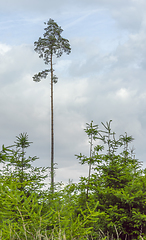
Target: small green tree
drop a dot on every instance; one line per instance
(92, 132)
(119, 184)
(19, 169)
(52, 44)
(21, 144)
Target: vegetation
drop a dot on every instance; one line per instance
(108, 204)
(52, 44)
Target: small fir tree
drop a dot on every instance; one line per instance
(18, 168)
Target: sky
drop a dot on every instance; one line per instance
(102, 79)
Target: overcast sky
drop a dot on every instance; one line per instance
(103, 78)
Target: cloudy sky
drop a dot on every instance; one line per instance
(103, 78)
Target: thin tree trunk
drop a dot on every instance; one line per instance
(89, 167)
(22, 170)
(89, 178)
(52, 131)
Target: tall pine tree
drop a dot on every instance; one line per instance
(51, 44)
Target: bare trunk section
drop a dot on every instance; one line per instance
(89, 167)
(52, 131)
(22, 170)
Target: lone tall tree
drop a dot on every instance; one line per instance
(52, 43)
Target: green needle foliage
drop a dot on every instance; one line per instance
(119, 184)
(114, 209)
(18, 169)
(92, 131)
(27, 211)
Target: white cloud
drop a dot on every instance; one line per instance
(122, 93)
(102, 79)
(4, 49)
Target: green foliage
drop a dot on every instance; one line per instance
(92, 131)
(114, 209)
(33, 217)
(18, 169)
(119, 184)
(52, 43)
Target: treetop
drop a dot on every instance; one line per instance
(52, 42)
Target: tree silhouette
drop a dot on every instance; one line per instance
(52, 43)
